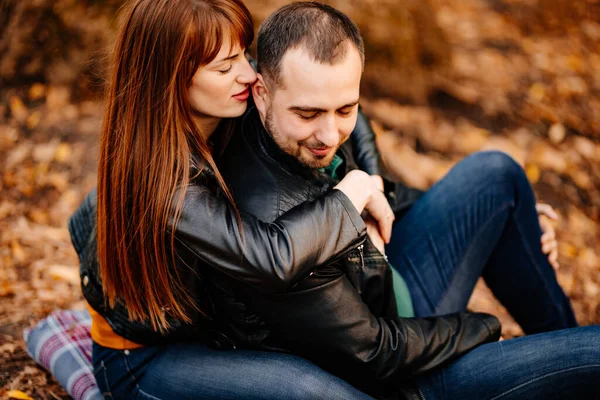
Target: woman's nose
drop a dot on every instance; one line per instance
(247, 75)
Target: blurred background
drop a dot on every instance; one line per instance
(443, 79)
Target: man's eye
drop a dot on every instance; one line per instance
(345, 112)
(223, 72)
(307, 117)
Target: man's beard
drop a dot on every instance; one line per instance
(294, 149)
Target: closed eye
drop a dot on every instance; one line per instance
(307, 117)
(344, 112)
(223, 72)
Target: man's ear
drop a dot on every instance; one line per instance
(261, 94)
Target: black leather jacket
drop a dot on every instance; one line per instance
(273, 256)
(343, 315)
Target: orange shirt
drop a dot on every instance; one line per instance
(103, 334)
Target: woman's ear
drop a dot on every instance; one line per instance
(260, 94)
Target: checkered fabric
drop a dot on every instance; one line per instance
(62, 344)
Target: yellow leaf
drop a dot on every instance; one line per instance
(37, 91)
(18, 109)
(17, 394)
(17, 251)
(33, 120)
(537, 91)
(63, 152)
(65, 273)
(533, 173)
(574, 63)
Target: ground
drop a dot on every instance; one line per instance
(521, 79)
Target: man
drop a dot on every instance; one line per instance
(479, 220)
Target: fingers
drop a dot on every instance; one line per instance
(549, 242)
(553, 258)
(548, 236)
(380, 210)
(547, 210)
(549, 246)
(374, 235)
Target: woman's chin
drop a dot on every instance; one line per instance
(234, 112)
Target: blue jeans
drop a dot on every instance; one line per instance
(194, 371)
(480, 220)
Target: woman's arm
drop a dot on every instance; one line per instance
(274, 256)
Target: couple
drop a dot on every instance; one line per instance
(224, 255)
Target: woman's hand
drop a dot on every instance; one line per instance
(374, 235)
(549, 242)
(365, 194)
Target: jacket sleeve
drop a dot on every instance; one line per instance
(270, 256)
(365, 150)
(332, 326)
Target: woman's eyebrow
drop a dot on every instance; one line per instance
(229, 58)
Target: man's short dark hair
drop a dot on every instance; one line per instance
(320, 29)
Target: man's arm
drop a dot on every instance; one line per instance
(368, 159)
(364, 148)
(331, 325)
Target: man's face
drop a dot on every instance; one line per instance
(315, 110)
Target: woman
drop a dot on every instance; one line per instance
(164, 214)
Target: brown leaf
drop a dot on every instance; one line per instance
(18, 109)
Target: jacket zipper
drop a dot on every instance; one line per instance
(421, 395)
(345, 253)
(362, 258)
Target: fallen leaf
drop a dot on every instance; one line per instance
(37, 91)
(44, 152)
(33, 120)
(65, 272)
(18, 109)
(537, 91)
(17, 251)
(17, 394)
(63, 152)
(557, 133)
(533, 173)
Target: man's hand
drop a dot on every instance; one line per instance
(378, 182)
(374, 235)
(549, 242)
(365, 194)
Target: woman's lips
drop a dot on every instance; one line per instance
(320, 152)
(242, 96)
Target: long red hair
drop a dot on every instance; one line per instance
(148, 138)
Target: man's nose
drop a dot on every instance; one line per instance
(328, 133)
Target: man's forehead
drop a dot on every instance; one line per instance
(307, 82)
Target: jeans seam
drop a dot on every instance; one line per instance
(466, 252)
(102, 368)
(135, 381)
(543, 377)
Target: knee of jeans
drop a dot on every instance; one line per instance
(497, 166)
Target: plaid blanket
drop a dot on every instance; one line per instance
(62, 344)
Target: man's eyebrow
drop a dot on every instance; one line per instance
(316, 109)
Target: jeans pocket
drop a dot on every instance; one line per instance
(102, 381)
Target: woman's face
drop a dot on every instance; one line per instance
(220, 88)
